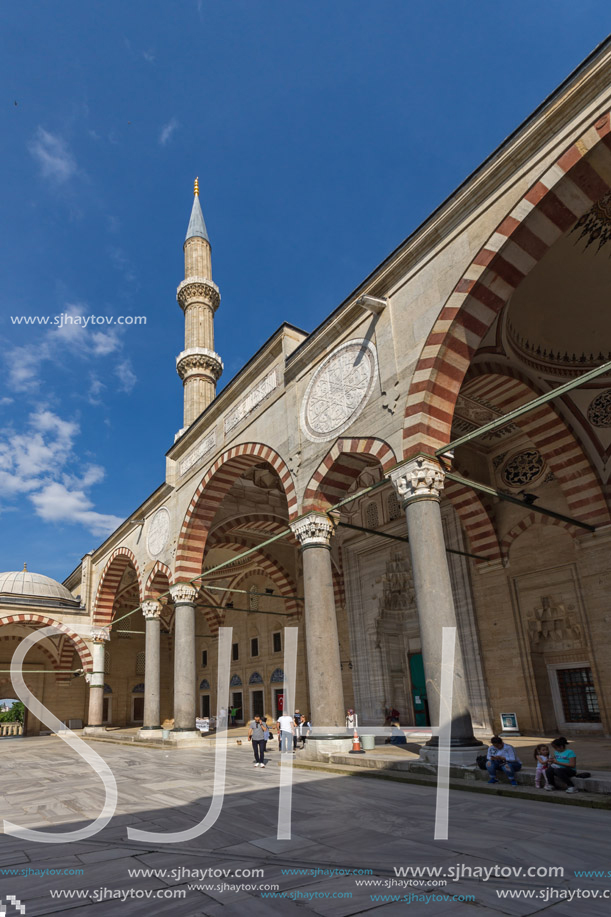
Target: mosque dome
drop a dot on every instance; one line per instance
(25, 585)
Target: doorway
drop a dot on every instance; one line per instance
(236, 701)
(421, 708)
(256, 703)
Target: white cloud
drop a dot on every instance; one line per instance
(73, 338)
(149, 55)
(167, 130)
(53, 156)
(56, 503)
(36, 462)
(126, 375)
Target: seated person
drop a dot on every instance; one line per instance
(397, 736)
(502, 757)
(563, 765)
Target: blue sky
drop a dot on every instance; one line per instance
(322, 134)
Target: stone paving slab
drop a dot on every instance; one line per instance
(339, 822)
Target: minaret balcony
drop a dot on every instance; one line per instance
(198, 289)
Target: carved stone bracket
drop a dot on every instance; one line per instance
(198, 288)
(99, 635)
(313, 529)
(183, 594)
(420, 478)
(151, 610)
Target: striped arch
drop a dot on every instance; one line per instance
(265, 564)
(206, 500)
(52, 659)
(476, 521)
(33, 620)
(525, 523)
(549, 432)
(66, 655)
(257, 523)
(566, 191)
(109, 583)
(340, 468)
(160, 578)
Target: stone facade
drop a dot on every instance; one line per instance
(348, 429)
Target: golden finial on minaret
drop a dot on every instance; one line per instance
(196, 188)
(25, 568)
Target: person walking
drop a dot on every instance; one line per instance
(256, 735)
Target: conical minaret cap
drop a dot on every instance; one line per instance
(197, 227)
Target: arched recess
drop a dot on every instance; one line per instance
(106, 595)
(567, 190)
(158, 582)
(206, 500)
(525, 523)
(265, 564)
(507, 389)
(475, 520)
(340, 468)
(43, 649)
(35, 620)
(257, 523)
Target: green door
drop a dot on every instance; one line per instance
(416, 671)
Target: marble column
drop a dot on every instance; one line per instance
(322, 644)
(99, 638)
(151, 611)
(419, 483)
(184, 596)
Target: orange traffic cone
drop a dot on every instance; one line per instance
(356, 745)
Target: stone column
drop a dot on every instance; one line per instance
(419, 483)
(99, 638)
(322, 644)
(184, 596)
(151, 722)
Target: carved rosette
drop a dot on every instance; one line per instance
(99, 635)
(183, 594)
(197, 361)
(314, 529)
(198, 289)
(151, 610)
(418, 479)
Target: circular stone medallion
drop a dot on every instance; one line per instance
(158, 532)
(339, 390)
(599, 412)
(523, 468)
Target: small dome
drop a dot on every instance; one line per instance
(34, 586)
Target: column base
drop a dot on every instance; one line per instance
(319, 748)
(150, 732)
(464, 755)
(185, 735)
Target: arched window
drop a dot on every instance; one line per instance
(107, 689)
(255, 679)
(236, 681)
(394, 507)
(277, 676)
(204, 685)
(372, 519)
(138, 689)
(140, 663)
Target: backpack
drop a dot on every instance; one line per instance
(481, 761)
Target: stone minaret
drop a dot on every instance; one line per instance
(198, 365)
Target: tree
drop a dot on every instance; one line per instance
(15, 715)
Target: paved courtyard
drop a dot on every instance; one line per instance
(345, 831)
